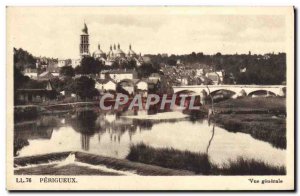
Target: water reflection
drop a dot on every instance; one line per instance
(111, 134)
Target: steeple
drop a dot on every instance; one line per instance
(84, 42)
(129, 46)
(118, 46)
(98, 46)
(114, 46)
(85, 29)
(110, 47)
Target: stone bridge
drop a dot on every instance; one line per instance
(246, 90)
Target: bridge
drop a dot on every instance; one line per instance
(246, 90)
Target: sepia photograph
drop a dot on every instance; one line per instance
(150, 98)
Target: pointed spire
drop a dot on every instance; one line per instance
(118, 46)
(85, 29)
(129, 46)
(98, 46)
(110, 47)
(114, 46)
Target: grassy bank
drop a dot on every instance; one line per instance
(262, 118)
(260, 126)
(250, 105)
(250, 167)
(199, 162)
(170, 158)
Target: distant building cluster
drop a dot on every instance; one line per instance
(181, 75)
(115, 53)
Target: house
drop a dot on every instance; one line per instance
(127, 85)
(155, 77)
(118, 75)
(243, 70)
(62, 62)
(221, 75)
(47, 75)
(153, 85)
(105, 85)
(214, 77)
(75, 62)
(36, 95)
(31, 73)
(142, 87)
(200, 72)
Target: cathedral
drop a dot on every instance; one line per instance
(114, 55)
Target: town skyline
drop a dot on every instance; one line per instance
(57, 35)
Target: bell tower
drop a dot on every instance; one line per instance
(84, 42)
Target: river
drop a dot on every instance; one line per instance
(111, 134)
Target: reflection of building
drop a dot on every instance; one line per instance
(85, 142)
(41, 128)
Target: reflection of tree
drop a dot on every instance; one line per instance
(85, 123)
(19, 143)
(143, 124)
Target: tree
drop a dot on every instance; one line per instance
(89, 65)
(19, 78)
(67, 71)
(23, 59)
(84, 87)
(146, 70)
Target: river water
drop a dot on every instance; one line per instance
(111, 134)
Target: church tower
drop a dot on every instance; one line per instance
(84, 42)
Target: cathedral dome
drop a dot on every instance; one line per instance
(119, 52)
(110, 53)
(98, 52)
(131, 53)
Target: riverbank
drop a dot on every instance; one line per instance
(199, 163)
(262, 118)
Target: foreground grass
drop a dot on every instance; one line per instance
(170, 158)
(199, 162)
(250, 167)
(262, 118)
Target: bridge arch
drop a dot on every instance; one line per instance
(186, 91)
(262, 92)
(225, 90)
(240, 90)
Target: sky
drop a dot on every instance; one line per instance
(54, 32)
